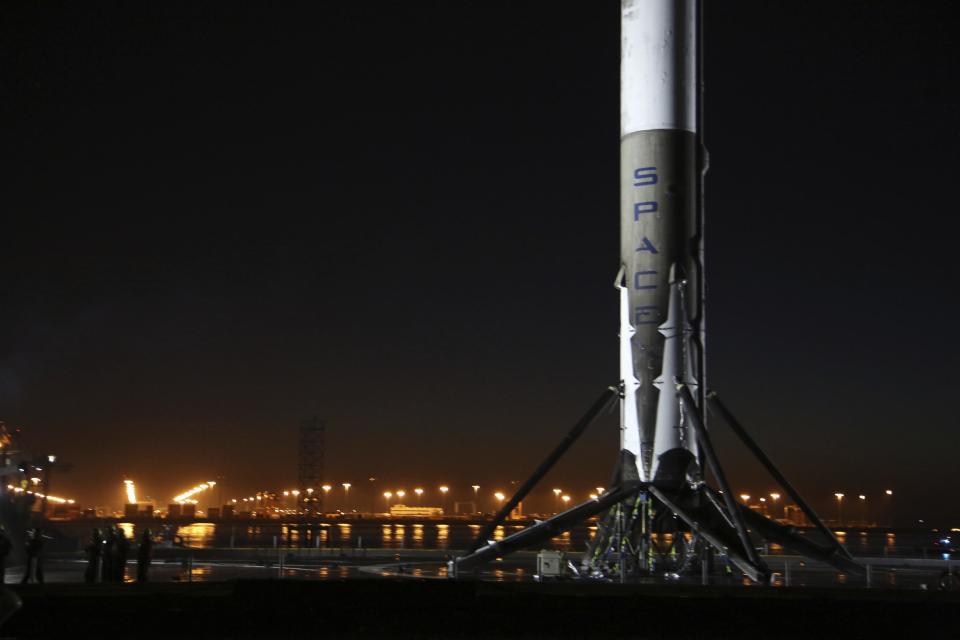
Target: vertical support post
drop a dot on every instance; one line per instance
(786, 573)
(645, 518)
(869, 576)
(310, 468)
(704, 566)
(621, 556)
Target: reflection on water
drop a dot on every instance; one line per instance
(400, 534)
(198, 535)
(562, 541)
(128, 528)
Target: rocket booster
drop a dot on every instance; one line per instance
(660, 241)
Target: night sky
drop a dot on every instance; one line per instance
(403, 218)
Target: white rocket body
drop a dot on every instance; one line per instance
(660, 283)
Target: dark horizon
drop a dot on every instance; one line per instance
(402, 218)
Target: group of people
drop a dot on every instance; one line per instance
(33, 571)
(107, 555)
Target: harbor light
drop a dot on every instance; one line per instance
(131, 492)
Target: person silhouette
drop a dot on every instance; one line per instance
(6, 546)
(143, 555)
(107, 556)
(34, 548)
(94, 551)
(122, 550)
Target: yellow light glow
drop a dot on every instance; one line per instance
(565, 499)
(557, 492)
(499, 496)
(745, 497)
(444, 489)
(775, 496)
(131, 492)
(56, 499)
(203, 486)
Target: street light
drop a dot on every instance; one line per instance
(775, 497)
(419, 493)
(326, 495)
(556, 500)
(443, 491)
(400, 494)
(839, 497)
(745, 497)
(499, 496)
(863, 509)
(476, 505)
(566, 500)
(388, 495)
(346, 495)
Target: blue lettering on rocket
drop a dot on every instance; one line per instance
(645, 315)
(644, 176)
(643, 207)
(636, 280)
(647, 246)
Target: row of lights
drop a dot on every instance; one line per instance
(186, 495)
(40, 495)
(388, 495)
(400, 493)
(839, 496)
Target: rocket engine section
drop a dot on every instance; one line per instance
(660, 235)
